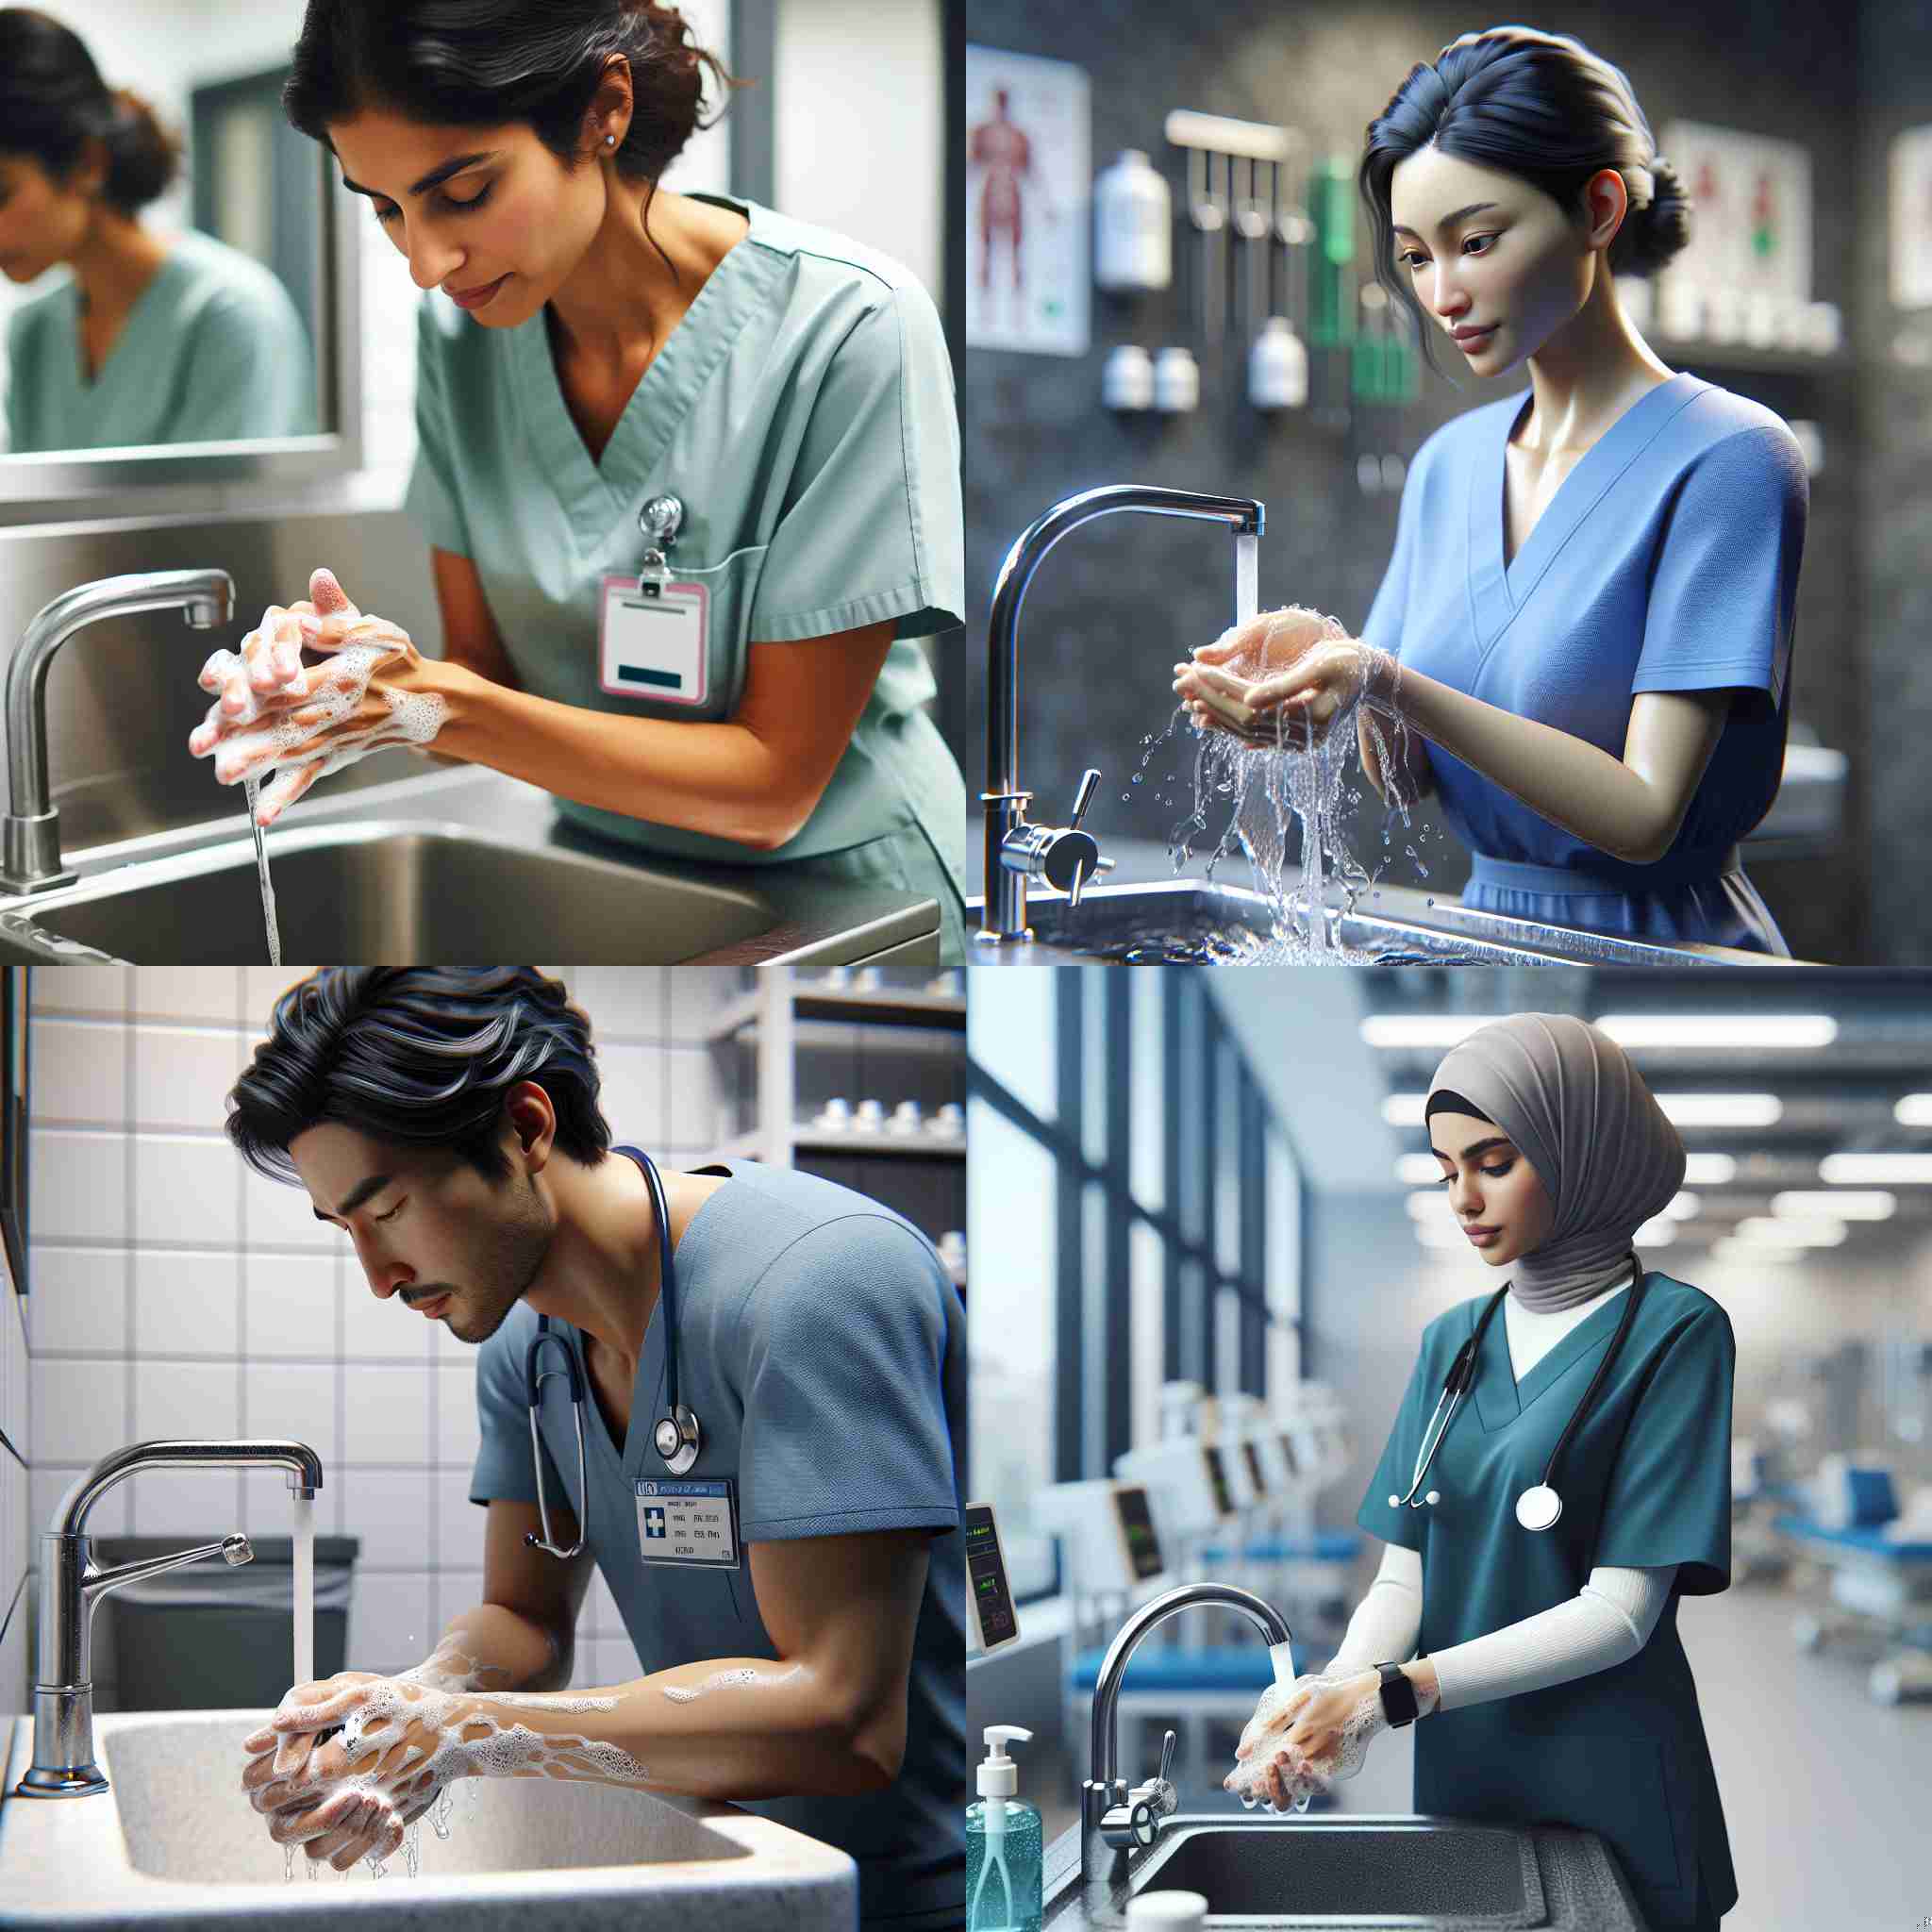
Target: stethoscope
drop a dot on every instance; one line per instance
(675, 1434)
(1538, 1507)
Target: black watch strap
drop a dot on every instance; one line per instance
(1398, 1696)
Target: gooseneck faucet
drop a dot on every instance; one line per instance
(63, 1765)
(1112, 1825)
(30, 834)
(1016, 850)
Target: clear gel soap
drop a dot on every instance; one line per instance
(1002, 1845)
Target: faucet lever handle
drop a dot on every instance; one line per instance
(1089, 781)
(1166, 1757)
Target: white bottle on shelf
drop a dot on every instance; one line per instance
(1133, 225)
(1278, 367)
(1176, 380)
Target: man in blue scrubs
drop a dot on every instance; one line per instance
(447, 1119)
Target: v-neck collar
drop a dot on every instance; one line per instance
(1499, 590)
(1500, 1398)
(601, 490)
(125, 337)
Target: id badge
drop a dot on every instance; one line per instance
(651, 640)
(690, 1521)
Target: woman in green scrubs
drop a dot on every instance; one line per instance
(1554, 1153)
(153, 339)
(784, 392)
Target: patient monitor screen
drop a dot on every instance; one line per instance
(1224, 1502)
(1254, 1475)
(986, 1573)
(1137, 1529)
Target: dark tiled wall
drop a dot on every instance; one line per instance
(1117, 603)
(1894, 520)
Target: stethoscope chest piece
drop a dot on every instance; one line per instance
(675, 1438)
(1539, 1508)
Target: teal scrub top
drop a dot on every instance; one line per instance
(212, 351)
(824, 1351)
(1644, 1481)
(801, 410)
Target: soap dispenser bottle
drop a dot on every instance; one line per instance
(1002, 1845)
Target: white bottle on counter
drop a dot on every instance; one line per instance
(1176, 380)
(1133, 225)
(1278, 367)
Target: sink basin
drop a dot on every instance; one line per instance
(1314, 1872)
(174, 1842)
(1189, 918)
(464, 865)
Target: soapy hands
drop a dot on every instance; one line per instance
(1304, 1737)
(370, 689)
(1280, 680)
(345, 1797)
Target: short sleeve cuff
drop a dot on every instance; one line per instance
(911, 605)
(429, 507)
(938, 1518)
(1718, 674)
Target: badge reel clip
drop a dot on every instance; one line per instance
(652, 639)
(659, 521)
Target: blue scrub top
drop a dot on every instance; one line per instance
(1668, 561)
(212, 351)
(823, 1351)
(1645, 1481)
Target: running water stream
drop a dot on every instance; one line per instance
(253, 787)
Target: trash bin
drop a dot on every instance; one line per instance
(208, 1637)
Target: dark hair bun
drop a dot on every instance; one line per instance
(143, 157)
(1652, 234)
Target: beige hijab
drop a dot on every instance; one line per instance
(1575, 1106)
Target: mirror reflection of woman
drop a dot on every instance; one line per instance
(1592, 601)
(152, 338)
(1541, 1667)
(616, 343)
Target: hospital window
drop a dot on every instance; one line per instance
(1144, 1208)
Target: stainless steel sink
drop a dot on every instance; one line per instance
(459, 866)
(1196, 919)
(1307, 1872)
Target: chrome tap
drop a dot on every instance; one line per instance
(63, 1765)
(1115, 1820)
(1015, 851)
(30, 833)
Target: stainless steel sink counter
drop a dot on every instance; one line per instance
(1134, 921)
(1337, 1870)
(451, 865)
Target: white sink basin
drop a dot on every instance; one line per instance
(176, 1842)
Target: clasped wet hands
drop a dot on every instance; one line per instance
(359, 691)
(341, 1802)
(1281, 679)
(1305, 1736)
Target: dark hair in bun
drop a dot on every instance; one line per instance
(1541, 106)
(53, 102)
(484, 62)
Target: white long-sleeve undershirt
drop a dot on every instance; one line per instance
(1608, 1621)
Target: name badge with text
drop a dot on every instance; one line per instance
(684, 1520)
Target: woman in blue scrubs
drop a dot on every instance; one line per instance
(1548, 1681)
(594, 348)
(1584, 632)
(150, 338)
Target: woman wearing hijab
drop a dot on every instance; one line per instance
(1544, 1661)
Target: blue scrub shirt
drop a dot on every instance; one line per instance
(1645, 1481)
(801, 410)
(823, 1351)
(1667, 561)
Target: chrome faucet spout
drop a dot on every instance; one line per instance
(1016, 850)
(30, 833)
(1105, 1846)
(71, 1583)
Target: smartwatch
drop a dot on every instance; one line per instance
(1398, 1696)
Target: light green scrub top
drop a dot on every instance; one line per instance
(1645, 1481)
(803, 412)
(211, 351)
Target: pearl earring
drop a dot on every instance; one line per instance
(611, 141)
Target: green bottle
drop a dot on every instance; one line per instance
(1002, 1845)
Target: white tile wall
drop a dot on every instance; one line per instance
(175, 1292)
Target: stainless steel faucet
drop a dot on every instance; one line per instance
(1016, 850)
(63, 1765)
(1115, 1820)
(30, 834)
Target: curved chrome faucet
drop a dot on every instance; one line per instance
(1110, 1826)
(30, 834)
(1016, 850)
(63, 1765)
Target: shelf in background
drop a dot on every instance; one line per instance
(877, 1006)
(910, 1146)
